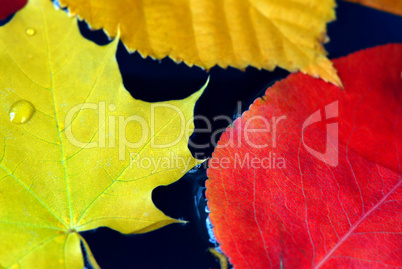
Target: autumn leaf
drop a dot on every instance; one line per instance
(77, 151)
(393, 6)
(238, 33)
(8, 7)
(310, 176)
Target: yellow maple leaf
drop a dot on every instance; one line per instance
(76, 150)
(238, 33)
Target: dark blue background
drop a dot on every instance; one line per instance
(185, 246)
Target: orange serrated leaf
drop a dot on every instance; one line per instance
(237, 33)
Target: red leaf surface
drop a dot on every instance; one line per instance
(8, 7)
(322, 187)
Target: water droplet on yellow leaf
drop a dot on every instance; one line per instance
(30, 31)
(21, 112)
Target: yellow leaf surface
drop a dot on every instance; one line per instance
(238, 33)
(393, 6)
(77, 152)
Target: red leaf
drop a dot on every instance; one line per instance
(8, 7)
(315, 200)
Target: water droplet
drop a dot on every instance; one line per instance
(21, 112)
(30, 31)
